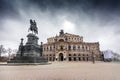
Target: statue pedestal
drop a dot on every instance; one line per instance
(30, 52)
(32, 48)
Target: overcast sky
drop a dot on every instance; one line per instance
(95, 20)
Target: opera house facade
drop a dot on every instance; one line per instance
(70, 47)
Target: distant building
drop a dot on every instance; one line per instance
(70, 47)
(109, 55)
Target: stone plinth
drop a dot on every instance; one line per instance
(31, 52)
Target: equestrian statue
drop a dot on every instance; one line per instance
(33, 27)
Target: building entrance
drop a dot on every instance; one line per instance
(61, 57)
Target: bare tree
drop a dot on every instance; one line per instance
(2, 50)
(15, 51)
(9, 50)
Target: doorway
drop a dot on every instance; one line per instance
(61, 57)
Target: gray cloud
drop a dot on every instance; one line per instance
(95, 20)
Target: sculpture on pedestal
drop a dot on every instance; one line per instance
(33, 26)
(31, 52)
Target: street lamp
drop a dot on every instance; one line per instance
(93, 57)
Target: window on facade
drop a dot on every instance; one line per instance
(74, 59)
(74, 54)
(80, 39)
(83, 55)
(50, 54)
(61, 40)
(69, 54)
(70, 59)
(61, 47)
(83, 59)
(87, 54)
(69, 48)
(74, 47)
(82, 47)
(55, 40)
(79, 55)
(47, 48)
(50, 59)
(87, 59)
(65, 39)
(78, 47)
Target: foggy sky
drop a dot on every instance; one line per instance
(95, 20)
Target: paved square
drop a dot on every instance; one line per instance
(62, 71)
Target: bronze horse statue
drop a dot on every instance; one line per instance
(33, 27)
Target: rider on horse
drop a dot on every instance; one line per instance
(33, 27)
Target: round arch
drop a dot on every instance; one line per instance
(61, 40)
(61, 57)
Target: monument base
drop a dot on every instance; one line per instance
(26, 59)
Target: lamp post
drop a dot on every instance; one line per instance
(93, 57)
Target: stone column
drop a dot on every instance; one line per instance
(77, 59)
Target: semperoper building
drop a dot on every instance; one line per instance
(70, 47)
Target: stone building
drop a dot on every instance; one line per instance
(70, 47)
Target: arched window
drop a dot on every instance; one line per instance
(61, 47)
(69, 54)
(74, 47)
(78, 47)
(61, 40)
(74, 54)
